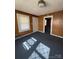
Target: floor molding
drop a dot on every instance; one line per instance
(54, 35)
(57, 36)
(23, 35)
(33, 32)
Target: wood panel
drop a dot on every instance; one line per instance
(40, 23)
(17, 33)
(57, 25)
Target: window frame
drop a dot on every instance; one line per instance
(19, 22)
(17, 28)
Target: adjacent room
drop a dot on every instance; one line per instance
(38, 29)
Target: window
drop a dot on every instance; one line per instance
(23, 22)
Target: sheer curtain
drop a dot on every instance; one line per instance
(23, 22)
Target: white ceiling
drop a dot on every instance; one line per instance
(31, 6)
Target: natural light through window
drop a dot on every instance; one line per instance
(28, 43)
(40, 50)
(23, 22)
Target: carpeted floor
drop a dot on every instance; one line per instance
(44, 46)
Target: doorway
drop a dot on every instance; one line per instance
(47, 24)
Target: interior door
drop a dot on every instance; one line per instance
(35, 24)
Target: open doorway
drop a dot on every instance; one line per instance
(47, 24)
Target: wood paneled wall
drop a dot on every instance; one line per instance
(17, 33)
(57, 25)
(40, 23)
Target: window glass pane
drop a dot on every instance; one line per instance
(23, 22)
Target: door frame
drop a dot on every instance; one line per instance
(51, 16)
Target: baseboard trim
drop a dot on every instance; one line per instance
(57, 35)
(38, 31)
(54, 35)
(23, 35)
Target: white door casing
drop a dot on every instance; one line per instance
(51, 23)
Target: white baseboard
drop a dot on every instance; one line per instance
(23, 35)
(53, 34)
(38, 31)
(57, 36)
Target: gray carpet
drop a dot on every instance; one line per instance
(39, 46)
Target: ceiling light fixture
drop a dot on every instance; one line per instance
(41, 3)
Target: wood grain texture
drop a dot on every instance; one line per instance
(57, 25)
(40, 23)
(17, 33)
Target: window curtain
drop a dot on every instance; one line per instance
(23, 22)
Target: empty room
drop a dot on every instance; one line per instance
(38, 29)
